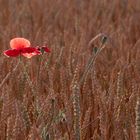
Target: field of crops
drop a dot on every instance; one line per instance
(87, 87)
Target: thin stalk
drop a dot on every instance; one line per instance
(39, 67)
(8, 74)
(76, 87)
(91, 63)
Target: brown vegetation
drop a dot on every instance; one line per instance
(43, 98)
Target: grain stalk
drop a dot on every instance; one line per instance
(76, 106)
(94, 56)
(9, 74)
(76, 86)
(120, 85)
(138, 120)
(9, 130)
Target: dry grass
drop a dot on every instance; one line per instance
(43, 98)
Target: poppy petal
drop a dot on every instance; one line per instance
(18, 43)
(30, 50)
(12, 53)
(46, 49)
(29, 55)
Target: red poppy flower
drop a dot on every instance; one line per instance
(21, 46)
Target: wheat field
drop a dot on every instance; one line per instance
(87, 87)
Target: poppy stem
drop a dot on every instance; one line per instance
(39, 67)
(8, 75)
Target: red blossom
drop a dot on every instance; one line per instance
(21, 46)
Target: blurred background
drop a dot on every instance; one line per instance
(36, 99)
